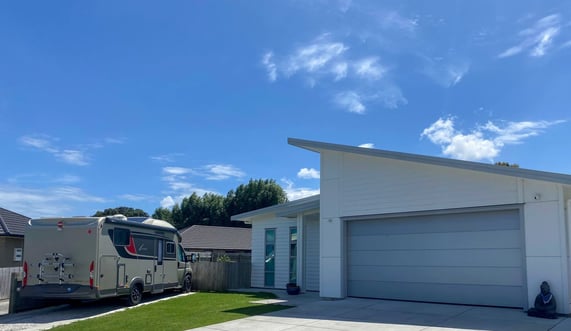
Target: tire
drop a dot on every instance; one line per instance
(187, 284)
(135, 295)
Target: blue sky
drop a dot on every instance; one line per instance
(138, 103)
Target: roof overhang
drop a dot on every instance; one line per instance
(289, 209)
(316, 146)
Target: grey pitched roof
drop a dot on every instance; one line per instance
(216, 237)
(12, 224)
(288, 209)
(317, 146)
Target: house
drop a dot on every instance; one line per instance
(411, 227)
(12, 226)
(211, 242)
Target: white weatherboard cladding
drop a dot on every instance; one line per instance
(282, 226)
(372, 185)
(311, 255)
(467, 258)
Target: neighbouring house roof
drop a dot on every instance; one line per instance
(12, 224)
(288, 209)
(318, 147)
(216, 237)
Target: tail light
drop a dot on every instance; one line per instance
(91, 270)
(25, 278)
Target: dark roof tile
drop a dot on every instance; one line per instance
(216, 237)
(12, 224)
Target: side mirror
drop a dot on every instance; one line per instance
(193, 258)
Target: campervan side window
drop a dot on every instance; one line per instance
(170, 251)
(121, 237)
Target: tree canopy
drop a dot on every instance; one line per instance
(127, 211)
(214, 209)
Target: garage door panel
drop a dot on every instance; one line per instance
(506, 296)
(487, 221)
(501, 276)
(469, 258)
(464, 240)
(442, 258)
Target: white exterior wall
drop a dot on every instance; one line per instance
(354, 185)
(546, 241)
(282, 226)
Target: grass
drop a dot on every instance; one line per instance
(182, 313)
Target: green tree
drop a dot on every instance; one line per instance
(126, 211)
(258, 193)
(507, 164)
(215, 209)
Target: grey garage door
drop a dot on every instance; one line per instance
(467, 258)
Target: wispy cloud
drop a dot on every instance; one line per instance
(223, 171)
(75, 156)
(445, 72)
(166, 158)
(369, 68)
(537, 39)
(367, 145)
(351, 101)
(135, 197)
(308, 173)
(325, 59)
(270, 66)
(484, 142)
(295, 193)
(44, 202)
(394, 20)
(316, 56)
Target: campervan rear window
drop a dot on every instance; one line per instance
(121, 237)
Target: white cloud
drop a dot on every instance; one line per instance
(72, 157)
(75, 156)
(351, 101)
(484, 142)
(326, 58)
(295, 193)
(167, 202)
(369, 68)
(177, 171)
(315, 56)
(566, 44)
(223, 171)
(271, 68)
(45, 202)
(340, 70)
(308, 173)
(536, 39)
(367, 145)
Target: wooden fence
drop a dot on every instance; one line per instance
(220, 276)
(5, 279)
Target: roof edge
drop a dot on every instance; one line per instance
(316, 146)
(298, 205)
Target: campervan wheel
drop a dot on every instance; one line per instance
(186, 286)
(135, 295)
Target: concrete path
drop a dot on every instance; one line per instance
(314, 314)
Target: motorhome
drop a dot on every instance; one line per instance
(86, 258)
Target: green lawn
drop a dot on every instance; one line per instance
(182, 313)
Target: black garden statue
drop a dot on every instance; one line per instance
(544, 306)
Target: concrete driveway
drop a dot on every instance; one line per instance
(312, 313)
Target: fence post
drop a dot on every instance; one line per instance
(14, 293)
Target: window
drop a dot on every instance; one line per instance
(270, 258)
(121, 237)
(293, 254)
(170, 251)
